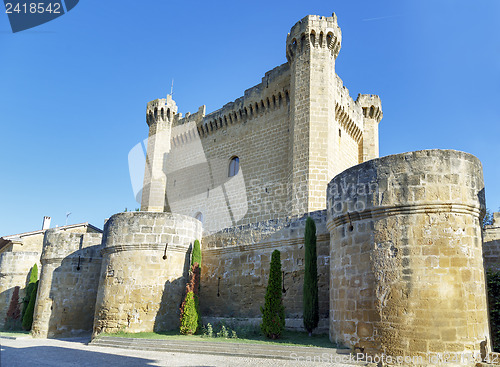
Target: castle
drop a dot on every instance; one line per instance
(399, 238)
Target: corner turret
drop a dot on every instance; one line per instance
(314, 31)
(159, 116)
(161, 110)
(372, 114)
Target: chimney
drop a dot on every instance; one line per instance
(46, 223)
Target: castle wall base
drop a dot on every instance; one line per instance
(295, 324)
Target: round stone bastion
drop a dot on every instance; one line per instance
(407, 277)
(146, 258)
(65, 302)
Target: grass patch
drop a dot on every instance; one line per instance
(15, 334)
(293, 338)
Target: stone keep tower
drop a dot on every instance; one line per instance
(160, 113)
(291, 134)
(312, 45)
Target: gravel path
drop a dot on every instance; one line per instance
(74, 352)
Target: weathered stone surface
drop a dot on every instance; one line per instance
(18, 253)
(236, 262)
(407, 274)
(71, 263)
(139, 290)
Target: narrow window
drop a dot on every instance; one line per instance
(234, 166)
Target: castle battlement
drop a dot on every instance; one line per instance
(259, 100)
(314, 31)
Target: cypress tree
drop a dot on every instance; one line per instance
(273, 312)
(196, 254)
(30, 310)
(310, 294)
(34, 274)
(29, 289)
(190, 308)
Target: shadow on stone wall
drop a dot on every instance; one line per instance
(236, 263)
(5, 298)
(168, 316)
(69, 308)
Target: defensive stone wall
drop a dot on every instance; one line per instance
(146, 258)
(491, 244)
(236, 263)
(407, 274)
(14, 271)
(71, 264)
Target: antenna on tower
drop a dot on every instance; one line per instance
(172, 88)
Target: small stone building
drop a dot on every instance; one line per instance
(18, 254)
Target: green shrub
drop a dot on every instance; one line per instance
(30, 310)
(13, 320)
(208, 331)
(310, 291)
(190, 308)
(190, 319)
(273, 312)
(29, 289)
(34, 274)
(223, 333)
(196, 254)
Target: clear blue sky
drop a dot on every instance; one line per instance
(73, 91)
